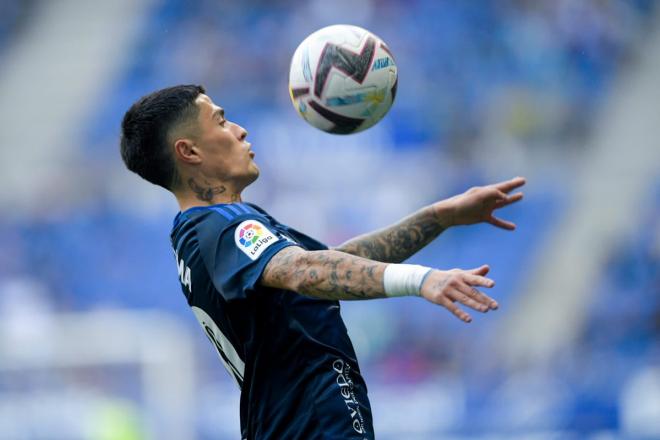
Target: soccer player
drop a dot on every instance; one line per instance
(265, 294)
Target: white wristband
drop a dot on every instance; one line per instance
(404, 279)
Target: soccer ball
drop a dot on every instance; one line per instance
(343, 79)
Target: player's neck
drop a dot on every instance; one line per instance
(191, 201)
(203, 193)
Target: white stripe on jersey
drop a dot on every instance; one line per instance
(228, 354)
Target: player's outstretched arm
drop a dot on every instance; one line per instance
(403, 239)
(398, 242)
(339, 276)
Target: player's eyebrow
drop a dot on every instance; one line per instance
(219, 113)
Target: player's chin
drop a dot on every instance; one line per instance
(254, 172)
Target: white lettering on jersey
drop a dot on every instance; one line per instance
(228, 354)
(184, 272)
(345, 384)
(252, 237)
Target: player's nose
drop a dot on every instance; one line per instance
(242, 133)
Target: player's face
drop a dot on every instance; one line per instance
(226, 154)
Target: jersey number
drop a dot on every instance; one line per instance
(228, 354)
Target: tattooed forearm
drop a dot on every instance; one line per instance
(205, 193)
(400, 241)
(325, 274)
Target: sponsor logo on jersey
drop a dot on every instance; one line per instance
(253, 238)
(345, 384)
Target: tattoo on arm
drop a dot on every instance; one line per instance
(205, 193)
(325, 274)
(397, 242)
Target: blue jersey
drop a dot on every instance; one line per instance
(290, 354)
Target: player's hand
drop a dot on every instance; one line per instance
(447, 288)
(478, 204)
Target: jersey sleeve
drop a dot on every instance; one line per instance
(236, 252)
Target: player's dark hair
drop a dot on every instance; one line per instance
(145, 127)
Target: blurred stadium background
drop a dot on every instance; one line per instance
(96, 341)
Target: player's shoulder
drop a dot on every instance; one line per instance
(215, 218)
(224, 228)
(257, 208)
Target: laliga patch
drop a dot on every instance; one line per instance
(253, 238)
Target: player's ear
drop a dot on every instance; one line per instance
(186, 151)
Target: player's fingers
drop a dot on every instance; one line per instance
(513, 198)
(508, 200)
(501, 196)
(479, 297)
(481, 270)
(470, 297)
(453, 308)
(510, 185)
(504, 224)
(477, 280)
